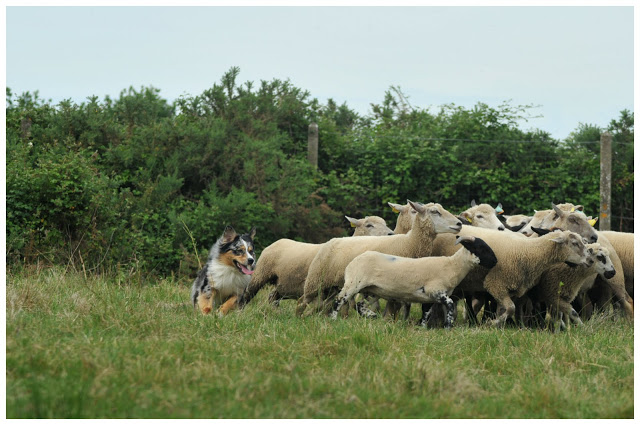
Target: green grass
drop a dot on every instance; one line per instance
(89, 347)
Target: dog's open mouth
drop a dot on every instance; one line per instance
(243, 269)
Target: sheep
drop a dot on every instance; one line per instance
(623, 244)
(540, 218)
(576, 221)
(481, 215)
(369, 226)
(419, 280)
(327, 268)
(521, 262)
(560, 284)
(599, 292)
(285, 262)
(515, 223)
(406, 217)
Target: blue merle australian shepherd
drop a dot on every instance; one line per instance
(227, 272)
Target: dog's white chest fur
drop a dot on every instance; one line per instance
(225, 280)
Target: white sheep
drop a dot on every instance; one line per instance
(578, 222)
(516, 222)
(623, 244)
(414, 280)
(521, 262)
(560, 285)
(406, 217)
(326, 271)
(601, 290)
(544, 219)
(371, 225)
(481, 215)
(285, 262)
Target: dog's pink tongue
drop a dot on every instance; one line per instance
(245, 270)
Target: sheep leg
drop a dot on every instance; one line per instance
(392, 309)
(274, 298)
(507, 305)
(406, 307)
(345, 296)
(450, 306)
(568, 313)
(301, 306)
(364, 311)
(426, 313)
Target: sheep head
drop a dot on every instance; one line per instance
(482, 215)
(604, 265)
(369, 226)
(575, 221)
(443, 221)
(480, 249)
(406, 217)
(575, 248)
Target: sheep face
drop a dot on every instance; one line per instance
(480, 249)
(604, 265)
(535, 221)
(575, 248)
(370, 226)
(443, 221)
(483, 215)
(574, 221)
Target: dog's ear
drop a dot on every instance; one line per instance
(252, 232)
(229, 234)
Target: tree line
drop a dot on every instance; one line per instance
(141, 185)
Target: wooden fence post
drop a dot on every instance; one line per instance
(605, 182)
(312, 153)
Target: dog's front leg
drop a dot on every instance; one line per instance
(228, 305)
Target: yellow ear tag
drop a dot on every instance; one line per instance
(573, 209)
(593, 222)
(352, 225)
(395, 210)
(469, 220)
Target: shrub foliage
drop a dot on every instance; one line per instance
(143, 185)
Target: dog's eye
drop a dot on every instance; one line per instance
(238, 251)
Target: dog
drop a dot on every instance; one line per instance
(226, 274)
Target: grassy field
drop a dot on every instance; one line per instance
(81, 347)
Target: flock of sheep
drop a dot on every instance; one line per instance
(520, 268)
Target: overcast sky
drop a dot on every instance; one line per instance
(575, 62)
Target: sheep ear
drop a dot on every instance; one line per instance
(416, 206)
(557, 210)
(396, 208)
(354, 221)
(561, 238)
(473, 202)
(499, 209)
(579, 208)
(229, 234)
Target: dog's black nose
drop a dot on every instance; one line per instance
(250, 261)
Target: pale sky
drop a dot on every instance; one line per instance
(577, 63)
